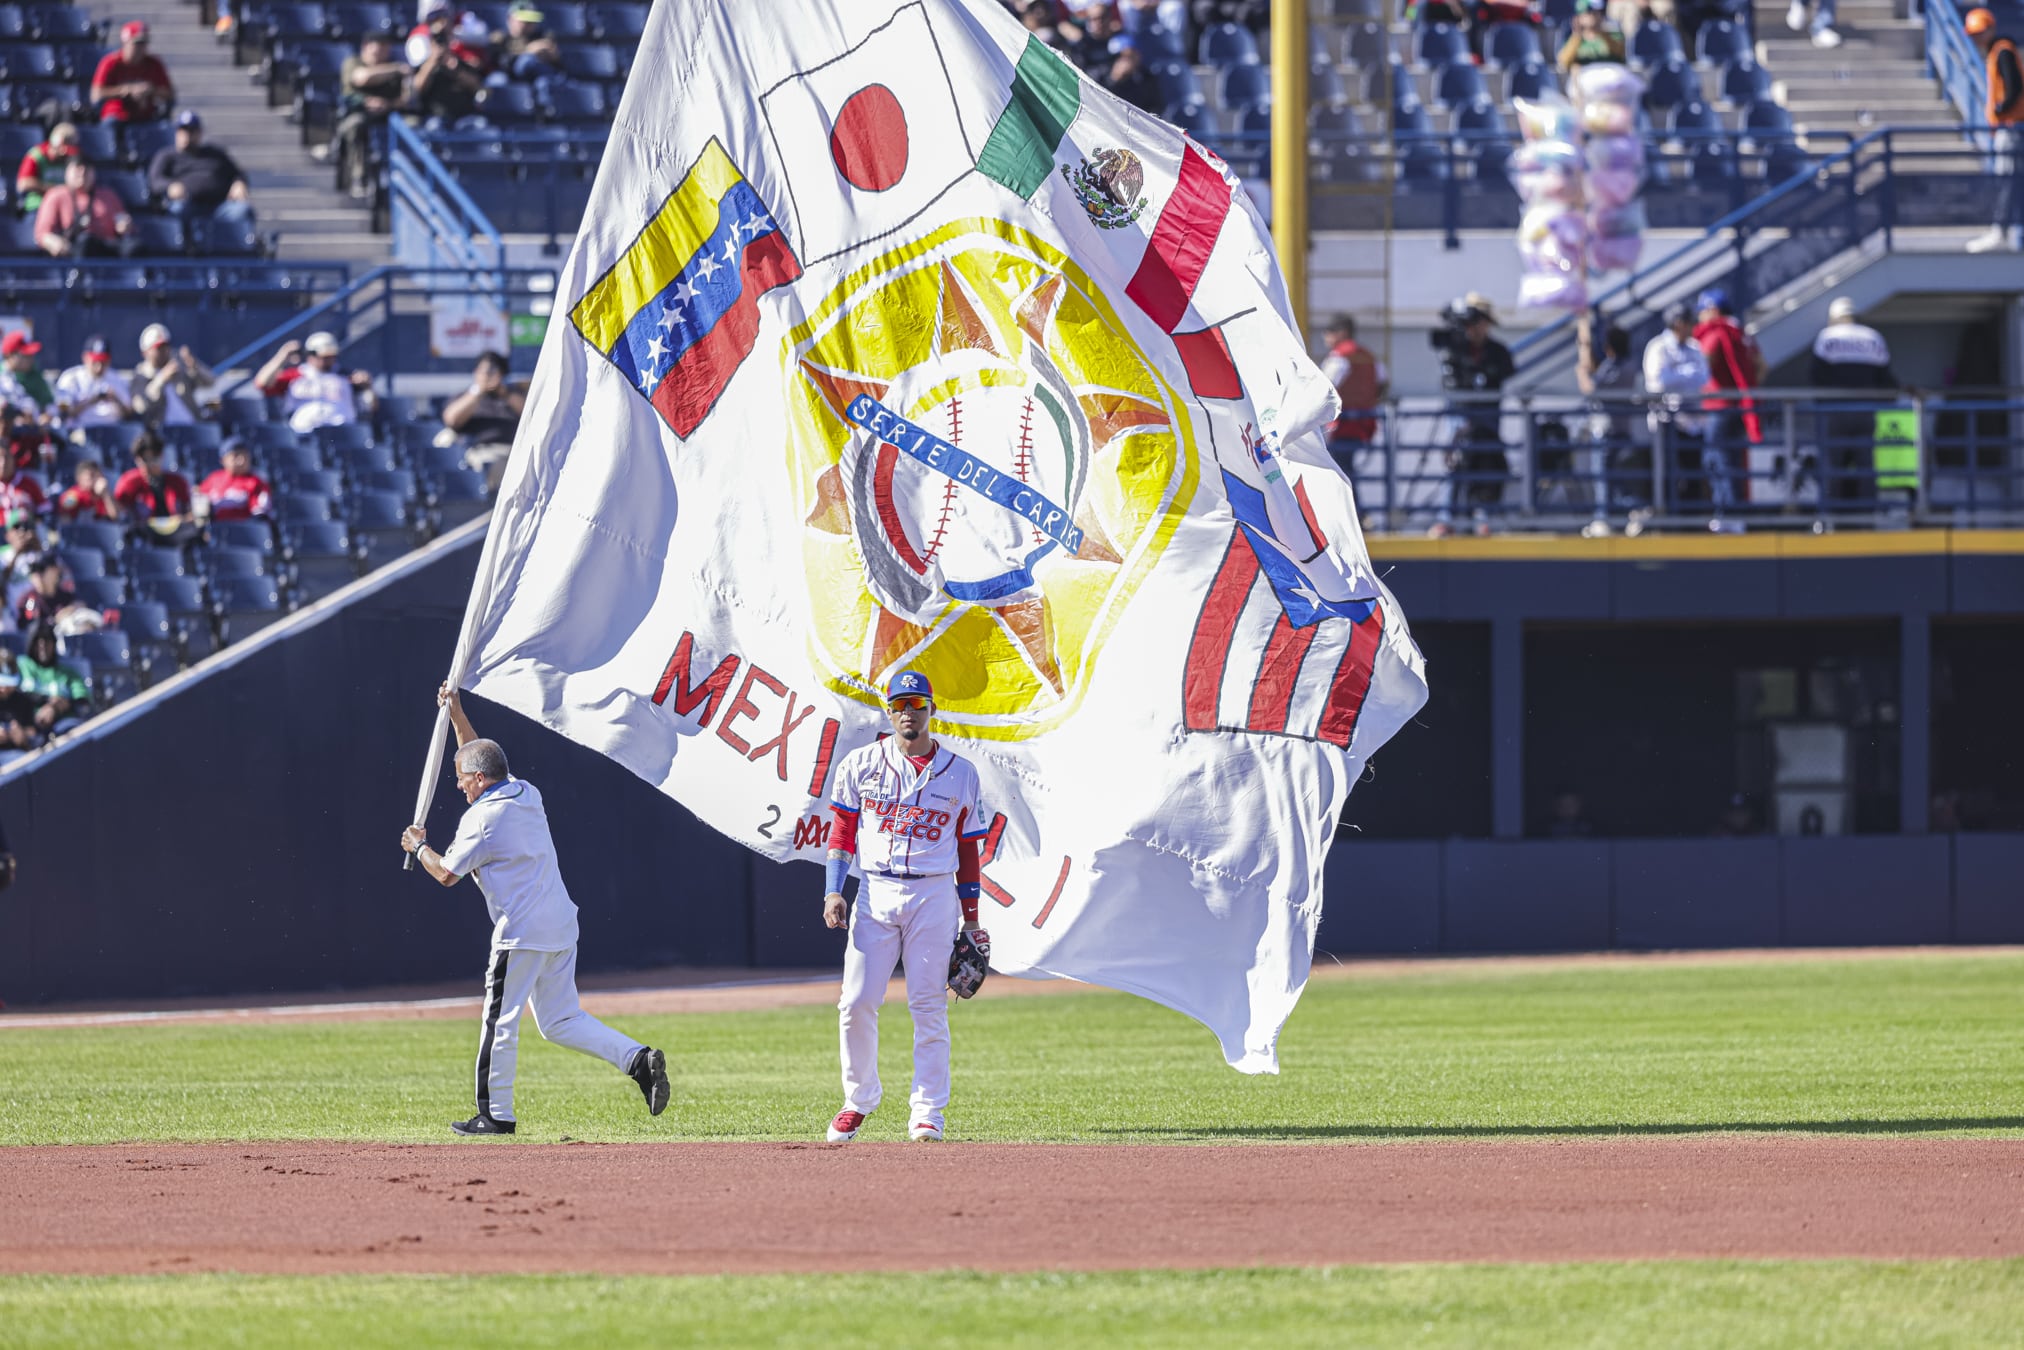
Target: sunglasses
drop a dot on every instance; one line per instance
(909, 703)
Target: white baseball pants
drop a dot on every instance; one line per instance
(894, 918)
(544, 983)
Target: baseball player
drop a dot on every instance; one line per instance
(503, 842)
(907, 808)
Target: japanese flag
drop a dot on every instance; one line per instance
(868, 140)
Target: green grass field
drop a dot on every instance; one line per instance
(1918, 1044)
(1906, 1045)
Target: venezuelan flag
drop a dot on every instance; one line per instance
(679, 312)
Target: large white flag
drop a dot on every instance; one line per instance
(892, 343)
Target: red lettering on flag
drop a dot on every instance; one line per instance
(743, 706)
(708, 693)
(778, 745)
(1059, 881)
(825, 750)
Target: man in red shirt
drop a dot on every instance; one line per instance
(234, 490)
(89, 497)
(19, 488)
(153, 496)
(81, 218)
(1734, 365)
(130, 85)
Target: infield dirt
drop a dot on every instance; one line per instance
(759, 1208)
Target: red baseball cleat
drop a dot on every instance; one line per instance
(845, 1127)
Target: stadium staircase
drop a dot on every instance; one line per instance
(293, 193)
(1877, 77)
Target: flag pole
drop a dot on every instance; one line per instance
(1289, 150)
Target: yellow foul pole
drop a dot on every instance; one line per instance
(1289, 148)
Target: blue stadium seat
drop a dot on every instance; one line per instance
(231, 560)
(198, 440)
(149, 564)
(62, 23)
(1785, 159)
(575, 103)
(37, 100)
(618, 23)
(1227, 44)
(1721, 41)
(1163, 44)
(151, 634)
(1409, 118)
(1669, 85)
(99, 143)
(297, 20)
(1529, 81)
(327, 482)
(1440, 44)
(1421, 160)
(211, 238)
(29, 61)
(1653, 43)
(1694, 118)
(1459, 85)
(129, 185)
(1177, 83)
(281, 449)
(1493, 163)
(492, 13)
(296, 507)
(1744, 82)
(14, 24)
(322, 556)
(460, 495)
(102, 535)
(253, 534)
(353, 21)
(1714, 163)
(401, 482)
(1325, 86)
(1510, 44)
(1195, 119)
(566, 23)
(1554, 13)
(507, 104)
(15, 141)
(590, 61)
(246, 604)
(380, 521)
(189, 612)
(110, 655)
(1367, 46)
(1247, 87)
(1478, 117)
(142, 141)
(78, 61)
(83, 562)
(159, 236)
(106, 592)
(1765, 119)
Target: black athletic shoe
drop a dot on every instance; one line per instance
(649, 1068)
(482, 1124)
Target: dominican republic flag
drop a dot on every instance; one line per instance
(679, 311)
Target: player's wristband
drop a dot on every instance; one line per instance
(835, 868)
(968, 890)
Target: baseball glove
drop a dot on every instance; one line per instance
(969, 963)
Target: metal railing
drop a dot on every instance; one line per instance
(1782, 458)
(1884, 182)
(1953, 61)
(434, 221)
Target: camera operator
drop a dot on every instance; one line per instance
(1473, 362)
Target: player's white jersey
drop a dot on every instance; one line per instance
(908, 819)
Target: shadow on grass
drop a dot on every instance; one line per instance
(1924, 1125)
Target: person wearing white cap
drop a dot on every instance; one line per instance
(91, 393)
(1849, 356)
(304, 375)
(167, 381)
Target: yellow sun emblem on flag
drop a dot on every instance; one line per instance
(987, 465)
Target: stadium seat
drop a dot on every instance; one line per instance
(1714, 163)
(1367, 47)
(1177, 83)
(360, 460)
(110, 655)
(401, 482)
(460, 495)
(1554, 13)
(102, 535)
(158, 236)
(592, 61)
(1163, 44)
(151, 635)
(78, 61)
(84, 563)
(1529, 81)
(198, 440)
(1721, 41)
(1325, 86)
(99, 143)
(246, 604)
(254, 534)
(287, 456)
(1247, 87)
(14, 24)
(1744, 82)
(142, 141)
(38, 100)
(1694, 118)
(62, 23)
(1410, 119)
(1655, 43)
(574, 103)
(1510, 44)
(189, 613)
(1459, 85)
(1785, 159)
(380, 522)
(297, 507)
(1440, 44)
(148, 563)
(566, 23)
(354, 21)
(322, 557)
(618, 23)
(507, 104)
(29, 61)
(1421, 160)
(101, 592)
(231, 560)
(1669, 85)
(1479, 117)
(1227, 44)
(209, 238)
(1493, 162)
(325, 482)
(1765, 119)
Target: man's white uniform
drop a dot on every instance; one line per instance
(504, 845)
(909, 820)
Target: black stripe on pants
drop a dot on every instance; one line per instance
(495, 986)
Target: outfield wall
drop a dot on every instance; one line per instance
(236, 832)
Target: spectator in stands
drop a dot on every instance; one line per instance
(49, 592)
(1631, 15)
(156, 498)
(23, 545)
(89, 496)
(1251, 14)
(1040, 20)
(91, 393)
(449, 69)
(1426, 13)
(1127, 77)
(20, 489)
(1735, 366)
(1490, 14)
(1101, 32)
(17, 709)
(65, 694)
(196, 179)
(317, 394)
(1854, 357)
(485, 416)
(1822, 22)
(81, 219)
(1360, 381)
(1589, 41)
(372, 85)
(130, 85)
(1690, 16)
(1624, 469)
(525, 51)
(42, 167)
(25, 440)
(23, 385)
(167, 381)
(1675, 373)
(2004, 109)
(1474, 363)
(234, 491)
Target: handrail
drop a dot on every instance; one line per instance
(1954, 62)
(419, 181)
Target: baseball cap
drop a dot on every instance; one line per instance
(233, 443)
(1713, 298)
(189, 117)
(1678, 313)
(909, 683)
(19, 519)
(526, 13)
(133, 31)
(1980, 21)
(153, 336)
(1482, 304)
(1841, 310)
(95, 346)
(431, 8)
(17, 342)
(321, 344)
